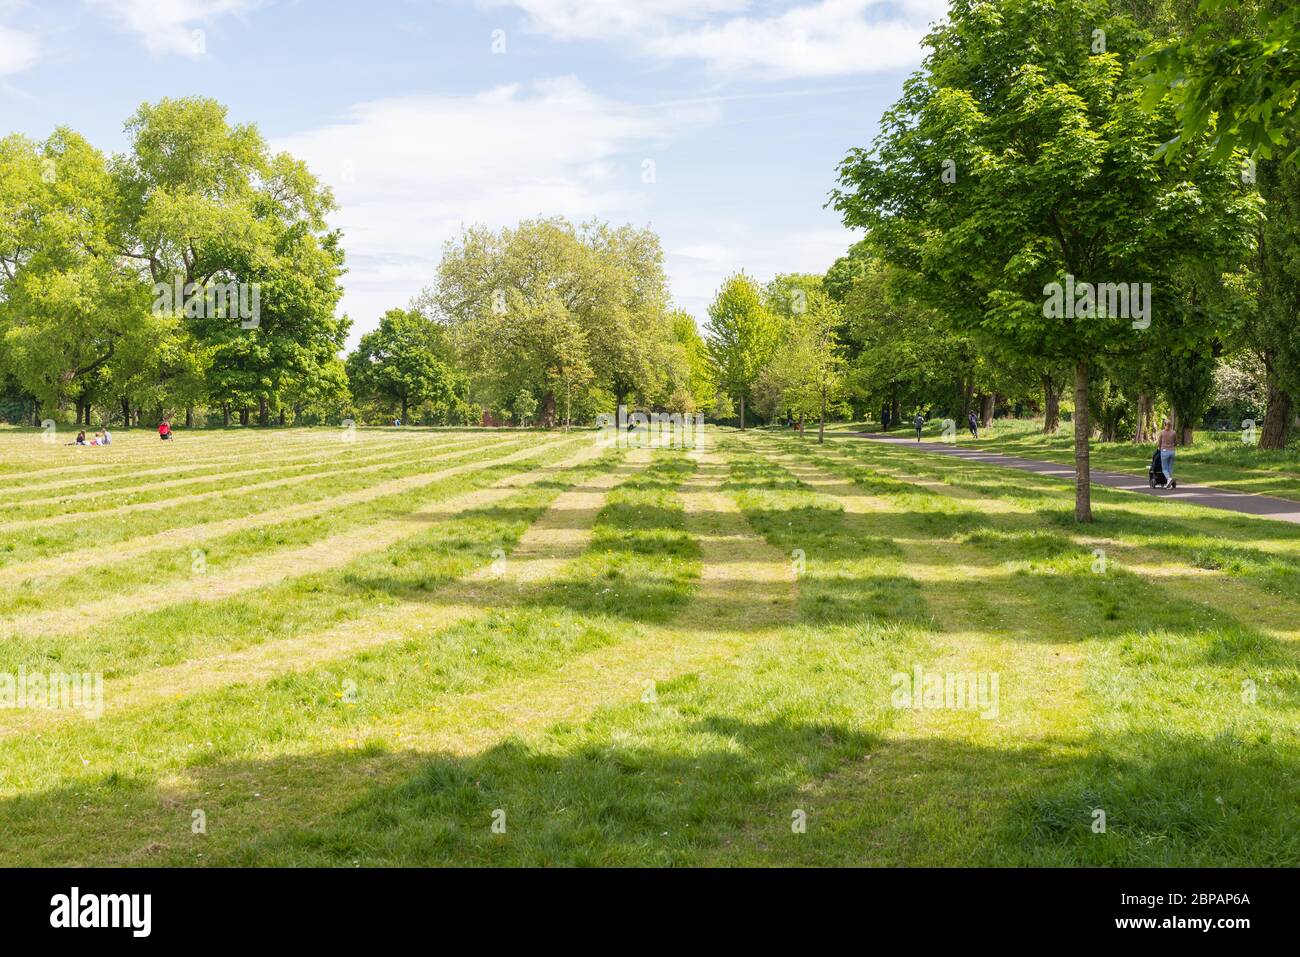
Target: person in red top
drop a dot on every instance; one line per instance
(164, 430)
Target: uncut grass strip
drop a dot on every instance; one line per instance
(345, 457)
(176, 561)
(332, 552)
(556, 534)
(193, 535)
(310, 456)
(36, 544)
(192, 497)
(132, 449)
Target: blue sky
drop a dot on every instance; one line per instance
(718, 123)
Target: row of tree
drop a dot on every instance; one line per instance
(545, 323)
(1079, 145)
(92, 246)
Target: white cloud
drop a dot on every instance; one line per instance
(831, 38)
(820, 39)
(409, 171)
(170, 26)
(18, 50)
(761, 249)
(607, 19)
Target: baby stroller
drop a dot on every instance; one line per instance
(1156, 477)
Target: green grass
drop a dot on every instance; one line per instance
(711, 662)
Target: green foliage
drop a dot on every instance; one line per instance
(400, 364)
(559, 310)
(524, 406)
(699, 386)
(742, 336)
(195, 204)
(1236, 74)
(804, 377)
(1020, 158)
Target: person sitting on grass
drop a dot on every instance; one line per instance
(164, 430)
(80, 439)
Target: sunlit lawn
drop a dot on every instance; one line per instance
(706, 676)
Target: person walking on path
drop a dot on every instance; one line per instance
(974, 424)
(918, 422)
(1167, 441)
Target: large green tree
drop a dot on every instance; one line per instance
(742, 336)
(609, 283)
(65, 301)
(1019, 163)
(204, 204)
(804, 377)
(401, 363)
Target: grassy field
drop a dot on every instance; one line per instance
(496, 648)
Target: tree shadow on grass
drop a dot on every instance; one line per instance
(726, 791)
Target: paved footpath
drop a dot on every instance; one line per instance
(1266, 506)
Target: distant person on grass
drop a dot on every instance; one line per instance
(918, 423)
(974, 424)
(1167, 441)
(165, 430)
(80, 439)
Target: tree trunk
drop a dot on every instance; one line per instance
(243, 415)
(263, 411)
(1182, 428)
(282, 417)
(742, 411)
(987, 404)
(404, 407)
(546, 415)
(1277, 418)
(1082, 434)
(821, 423)
(1051, 406)
(126, 412)
(895, 409)
(225, 414)
(1142, 435)
(189, 417)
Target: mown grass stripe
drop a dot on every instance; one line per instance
(332, 552)
(192, 497)
(218, 470)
